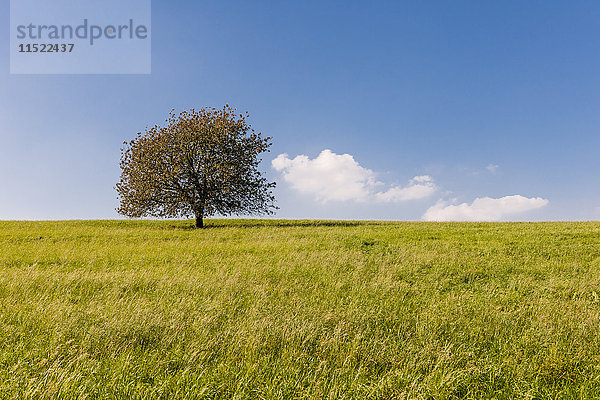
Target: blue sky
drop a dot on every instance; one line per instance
(496, 104)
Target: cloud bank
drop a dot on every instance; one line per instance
(484, 209)
(338, 177)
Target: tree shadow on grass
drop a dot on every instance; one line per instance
(188, 225)
(269, 223)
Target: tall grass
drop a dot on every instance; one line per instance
(299, 309)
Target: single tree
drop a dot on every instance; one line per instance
(199, 164)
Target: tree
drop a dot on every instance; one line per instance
(199, 164)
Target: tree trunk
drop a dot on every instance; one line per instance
(199, 222)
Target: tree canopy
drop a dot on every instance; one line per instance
(200, 163)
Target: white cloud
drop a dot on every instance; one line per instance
(330, 176)
(492, 168)
(338, 177)
(483, 209)
(419, 187)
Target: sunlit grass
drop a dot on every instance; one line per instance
(299, 309)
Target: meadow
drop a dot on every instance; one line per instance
(279, 309)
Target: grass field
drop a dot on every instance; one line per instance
(299, 309)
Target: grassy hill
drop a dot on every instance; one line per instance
(299, 309)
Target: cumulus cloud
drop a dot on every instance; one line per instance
(338, 177)
(483, 209)
(419, 187)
